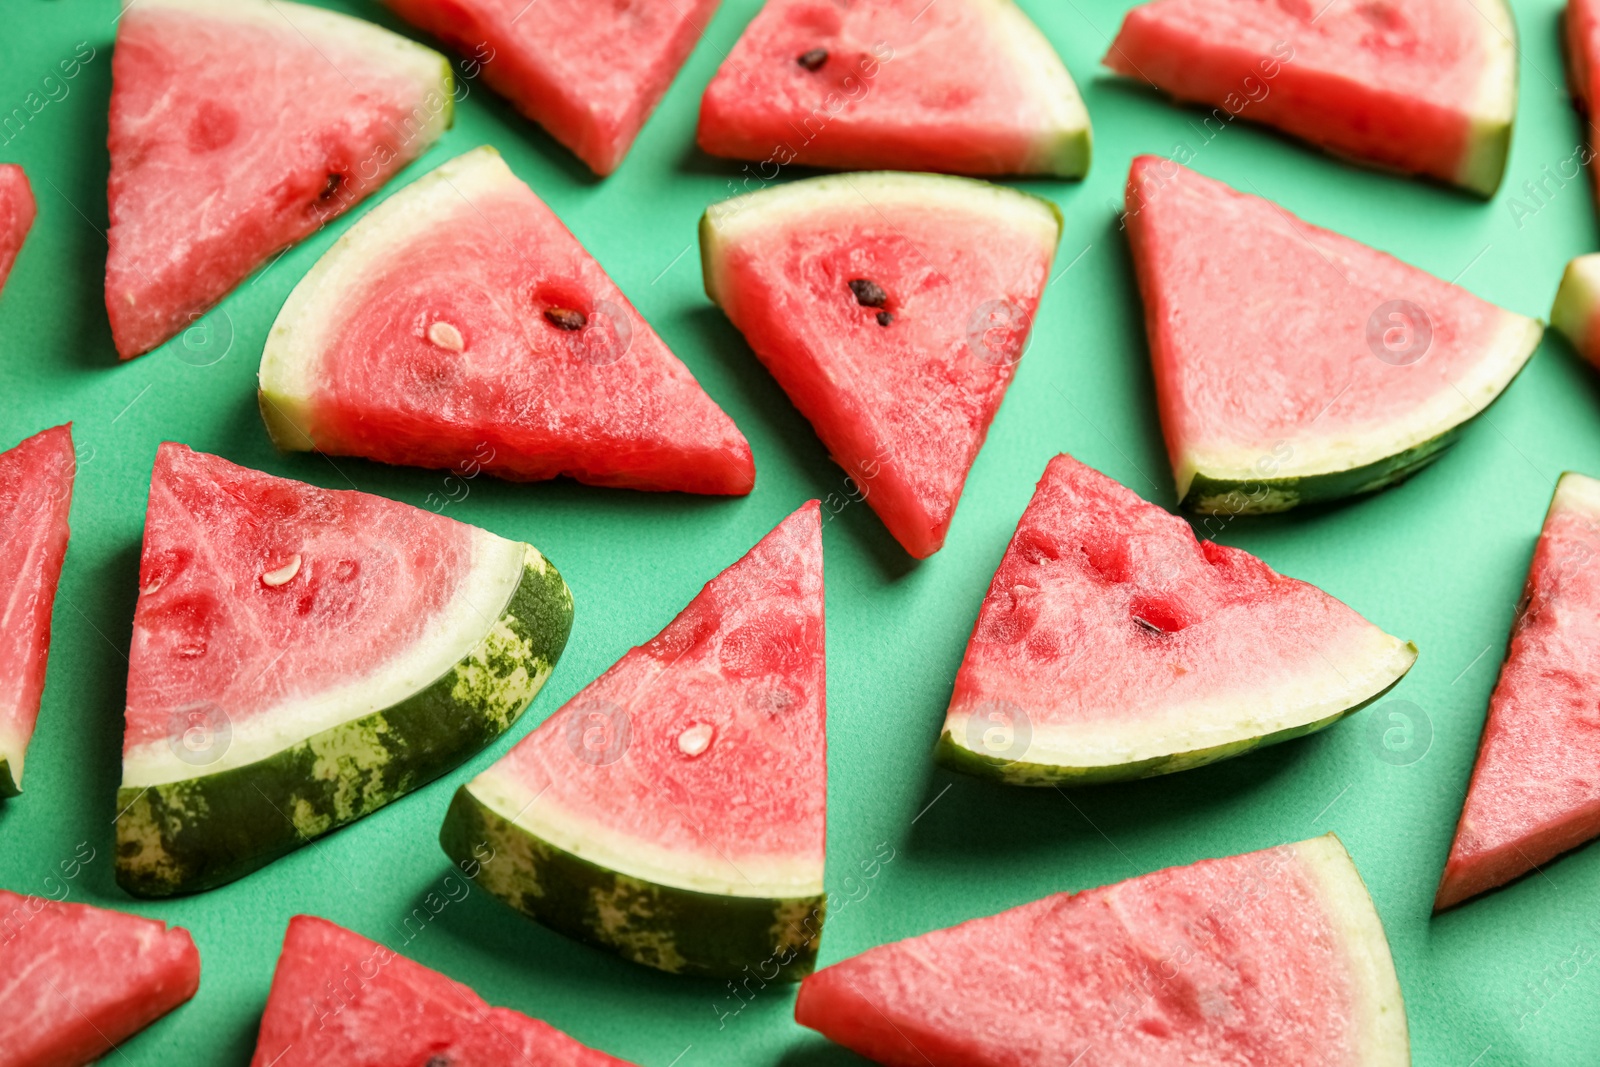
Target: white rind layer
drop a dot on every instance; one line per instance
(1493, 110)
(538, 814)
(12, 750)
(491, 580)
(1041, 67)
(1577, 300)
(1577, 493)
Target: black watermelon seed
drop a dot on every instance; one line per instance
(566, 318)
(813, 59)
(884, 318)
(334, 181)
(868, 293)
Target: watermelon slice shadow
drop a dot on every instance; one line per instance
(78, 308)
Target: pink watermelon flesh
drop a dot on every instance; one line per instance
(1535, 791)
(17, 210)
(1273, 957)
(35, 498)
(901, 389)
(961, 86)
(1425, 87)
(590, 73)
(1130, 648)
(1581, 26)
(1281, 350)
(339, 999)
(79, 980)
(237, 129)
(720, 771)
(472, 249)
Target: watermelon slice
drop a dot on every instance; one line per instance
(459, 322)
(339, 1000)
(35, 497)
(1576, 313)
(893, 309)
(589, 73)
(674, 811)
(1535, 791)
(1113, 645)
(17, 210)
(1424, 87)
(1294, 365)
(302, 657)
(965, 86)
(1580, 24)
(80, 980)
(239, 127)
(1272, 957)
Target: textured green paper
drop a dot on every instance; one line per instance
(1510, 979)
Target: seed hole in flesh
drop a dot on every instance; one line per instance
(284, 574)
(868, 293)
(566, 318)
(884, 318)
(695, 740)
(814, 59)
(446, 336)
(334, 181)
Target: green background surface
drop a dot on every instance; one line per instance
(1513, 978)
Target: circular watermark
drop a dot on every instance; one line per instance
(998, 332)
(598, 732)
(1000, 730)
(1399, 332)
(1399, 732)
(199, 733)
(607, 335)
(207, 338)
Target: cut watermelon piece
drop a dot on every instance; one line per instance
(459, 324)
(1294, 365)
(674, 811)
(35, 498)
(1424, 87)
(238, 127)
(1272, 957)
(79, 980)
(1113, 645)
(302, 657)
(1576, 313)
(1535, 791)
(339, 999)
(1580, 24)
(964, 86)
(17, 210)
(893, 309)
(589, 73)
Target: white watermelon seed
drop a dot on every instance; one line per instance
(284, 574)
(446, 337)
(695, 740)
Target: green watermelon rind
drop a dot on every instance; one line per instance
(956, 756)
(197, 833)
(1577, 299)
(8, 781)
(1206, 487)
(680, 931)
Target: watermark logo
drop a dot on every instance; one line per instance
(1399, 732)
(199, 733)
(1000, 730)
(598, 732)
(207, 338)
(998, 332)
(1399, 332)
(607, 336)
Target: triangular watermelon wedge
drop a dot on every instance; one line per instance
(1576, 311)
(78, 981)
(1273, 957)
(893, 309)
(1113, 645)
(1425, 87)
(590, 73)
(340, 1000)
(674, 811)
(17, 210)
(302, 657)
(1294, 365)
(238, 127)
(35, 499)
(1535, 791)
(459, 324)
(960, 86)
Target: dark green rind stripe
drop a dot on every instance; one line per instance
(675, 930)
(9, 786)
(1021, 772)
(199, 833)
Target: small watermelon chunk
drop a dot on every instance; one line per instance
(1294, 365)
(302, 657)
(962, 86)
(1535, 791)
(1426, 87)
(339, 1000)
(674, 811)
(238, 127)
(80, 980)
(1576, 312)
(35, 498)
(1272, 957)
(17, 211)
(893, 309)
(460, 323)
(1113, 645)
(589, 73)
